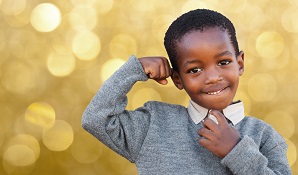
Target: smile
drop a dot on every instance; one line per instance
(216, 92)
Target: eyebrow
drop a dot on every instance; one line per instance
(216, 56)
(191, 62)
(223, 54)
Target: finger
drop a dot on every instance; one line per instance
(155, 75)
(167, 68)
(204, 142)
(210, 124)
(154, 72)
(162, 71)
(206, 133)
(162, 81)
(220, 117)
(153, 67)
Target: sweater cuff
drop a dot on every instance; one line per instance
(242, 155)
(133, 67)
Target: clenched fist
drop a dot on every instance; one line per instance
(157, 68)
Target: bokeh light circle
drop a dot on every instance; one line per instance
(86, 45)
(14, 7)
(26, 140)
(262, 87)
(251, 25)
(40, 114)
(19, 155)
(86, 153)
(83, 17)
(282, 121)
(59, 137)
(270, 44)
(109, 67)
(105, 6)
(143, 95)
(289, 19)
(61, 65)
(276, 63)
(122, 46)
(61, 42)
(45, 17)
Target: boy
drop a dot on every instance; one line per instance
(211, 136)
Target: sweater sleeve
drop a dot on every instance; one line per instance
(248, 158)
(106, 118)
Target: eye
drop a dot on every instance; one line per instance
(224, 62)
(194, 70)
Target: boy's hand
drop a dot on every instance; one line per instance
(218, 138)
(157, 68)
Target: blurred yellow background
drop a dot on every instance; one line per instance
(56, 54)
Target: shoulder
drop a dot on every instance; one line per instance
(255, 125)
(164, 107)
(253, 122)
(166, 118)
(260, 131)
(166, 111)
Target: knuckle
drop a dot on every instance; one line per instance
(208, 121)
(202, 131)
(160, 60)
(202, 142)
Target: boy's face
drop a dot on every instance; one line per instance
(209, 70)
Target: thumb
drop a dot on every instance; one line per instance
(219, 117)
(162, 81)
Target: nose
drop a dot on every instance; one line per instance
(213, 75)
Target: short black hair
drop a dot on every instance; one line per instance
(198, 19)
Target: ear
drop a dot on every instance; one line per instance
(176, 79)
(240, 61)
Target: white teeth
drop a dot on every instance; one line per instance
(214, 93)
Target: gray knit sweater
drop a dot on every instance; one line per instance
(161, 138)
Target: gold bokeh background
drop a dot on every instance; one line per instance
(56, 54)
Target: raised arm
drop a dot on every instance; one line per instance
(106, 118)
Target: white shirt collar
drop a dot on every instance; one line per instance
(234, 112)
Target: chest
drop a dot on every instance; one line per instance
(173, 146)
